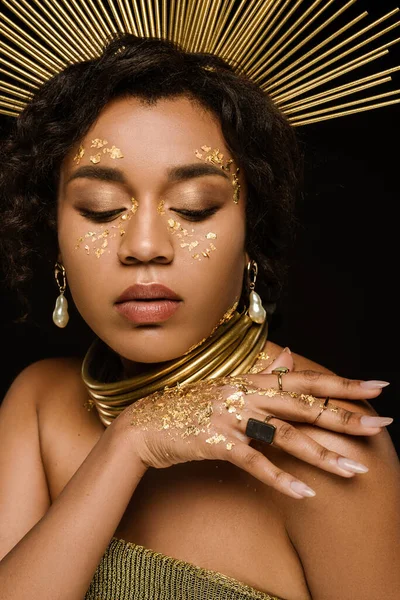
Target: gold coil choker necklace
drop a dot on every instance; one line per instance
(231, 350)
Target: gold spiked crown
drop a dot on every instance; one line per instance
(295, 51)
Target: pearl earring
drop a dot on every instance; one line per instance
(256, 310)
(60, 313)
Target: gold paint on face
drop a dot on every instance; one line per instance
(215, 157)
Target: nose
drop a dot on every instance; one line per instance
(145, 237)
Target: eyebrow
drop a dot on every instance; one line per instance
(175, 174)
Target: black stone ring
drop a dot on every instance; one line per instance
(258, 430)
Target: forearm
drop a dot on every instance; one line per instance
(57, 558)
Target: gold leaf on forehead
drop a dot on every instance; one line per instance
(79, 154)
(98, 143)
(115, 152)
(95, 159)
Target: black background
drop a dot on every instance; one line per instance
(341, 305)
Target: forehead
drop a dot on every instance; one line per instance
(163, 131)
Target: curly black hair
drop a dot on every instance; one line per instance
(61, 112)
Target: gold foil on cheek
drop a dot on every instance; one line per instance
(99, 239)
(216, 158)
(176, 229)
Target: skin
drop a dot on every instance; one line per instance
(149, 251)
(227, 520)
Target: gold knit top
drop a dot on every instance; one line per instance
(128, 571)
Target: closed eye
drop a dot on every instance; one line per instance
(101, 216)
(196, 215)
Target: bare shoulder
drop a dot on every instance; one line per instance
(47, 374)
(54, 384)
(351, 523)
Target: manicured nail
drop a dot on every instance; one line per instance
(351, 465)
(373, 384)
(375, 421)
(302, 488)
(286, 350)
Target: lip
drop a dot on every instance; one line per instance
(148, 311)
(148, 303)
(147, 291)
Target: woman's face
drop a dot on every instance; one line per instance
(150, 169)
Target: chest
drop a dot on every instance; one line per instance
(209, 513)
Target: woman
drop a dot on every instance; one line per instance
(164, 183)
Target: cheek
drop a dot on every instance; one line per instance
(87, 254)
(214, 266)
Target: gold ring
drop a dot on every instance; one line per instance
(280, 371)
(268, 417)
(323, 407)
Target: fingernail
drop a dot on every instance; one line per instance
(351, 465)
(373, 384)
(301, 488)
(286, 350)
(375, 421)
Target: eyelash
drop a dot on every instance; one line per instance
(189, 215)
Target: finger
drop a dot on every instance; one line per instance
(284, 359)
(306, 408)
(254, 462)
(302, 446)
(324, 384)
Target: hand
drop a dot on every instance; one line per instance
(207, 421)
